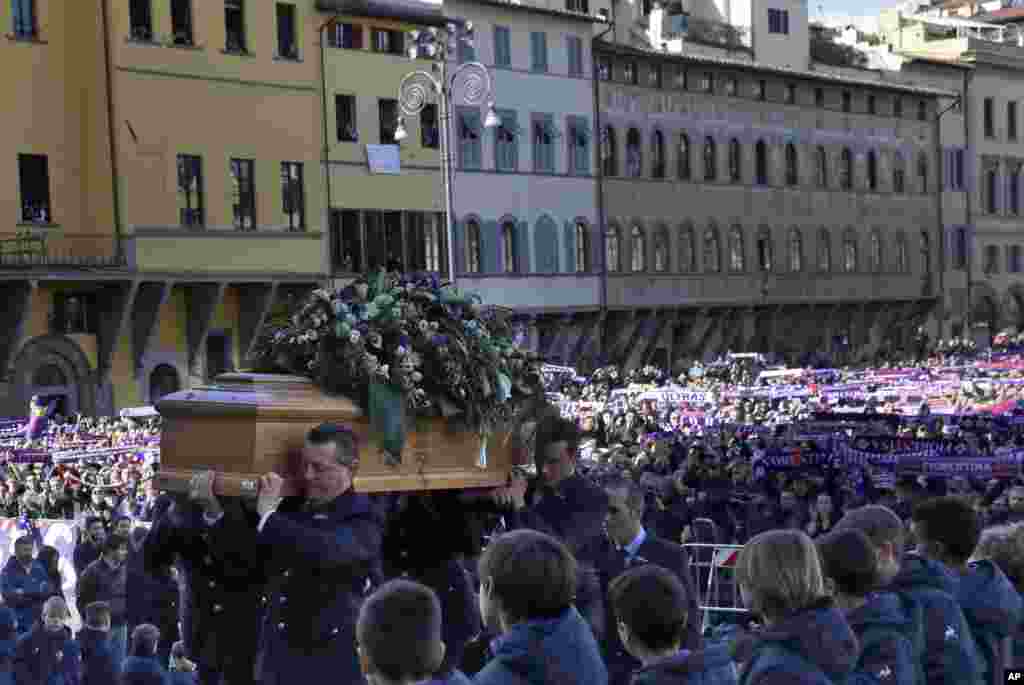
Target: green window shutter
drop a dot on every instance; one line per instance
(523, 248)
(490, 247)
(569, 246)
(460, 247)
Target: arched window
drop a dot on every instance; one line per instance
(582, 237)
(899, 174)
(846, 170)
(849, 251)
(792, 166)
(613, 249)
(712, 251)
(638, 249)
(876, 256)
(734, 160)
(765, 250)
(710, 166)
(824, 251)
(922, 172)
(683, 168)
(761, 163)
(472, 246)
(736, 261)
(872, 170)
(687, 253)
(163, 381)
(902, 262)
(821, 167)
(609, 161)
(634, 154)
(510, 258)
(796, 251)
(657, 155)
(661, 258)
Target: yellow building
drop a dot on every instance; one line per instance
(165, 161)
(387, 198)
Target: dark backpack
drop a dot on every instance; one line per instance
(772, 656)
(910, 673)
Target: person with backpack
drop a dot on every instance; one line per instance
(950, 654)
(948, 530)
(889, 627)
(805, 639)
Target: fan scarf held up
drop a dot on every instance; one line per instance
(405, 347)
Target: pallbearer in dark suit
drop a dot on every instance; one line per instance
(319, 553)
(628, 544)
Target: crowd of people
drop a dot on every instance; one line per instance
(864, 569)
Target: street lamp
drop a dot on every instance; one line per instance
(469, 84)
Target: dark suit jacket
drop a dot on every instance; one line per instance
(319, 565)
(611, 563)
(222, 581)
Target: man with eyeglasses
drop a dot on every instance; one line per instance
(320, 554)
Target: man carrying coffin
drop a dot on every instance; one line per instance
(319, 552)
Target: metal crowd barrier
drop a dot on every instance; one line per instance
(712, 569)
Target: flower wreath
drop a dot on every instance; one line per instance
(398, 344)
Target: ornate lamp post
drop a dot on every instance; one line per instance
(468, 84)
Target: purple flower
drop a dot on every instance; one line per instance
(439, 340)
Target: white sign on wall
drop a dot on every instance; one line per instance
(383, 159)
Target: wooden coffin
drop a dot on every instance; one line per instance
(246, 425)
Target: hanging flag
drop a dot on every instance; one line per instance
(726, 558)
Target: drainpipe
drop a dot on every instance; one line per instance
(941, 214)
(970, 163)
(112, 132)
(601, 218)
(325, 150)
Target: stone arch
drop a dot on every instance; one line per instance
(163, 380)
(151, 363)
(52, 358)
(1014, 312)
(985, 308)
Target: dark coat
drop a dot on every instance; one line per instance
(573, 512)
(560, 650)
(319, 565)
(221, 586)
(143, 670)
(8, 644)
(888, 627)
(950, 655)
(812, 647)
(99, 664)
(24, 591)
(611, 563)
(152, 598)
(85, 553)
(101, 583)
(712, 666)
(44, 658)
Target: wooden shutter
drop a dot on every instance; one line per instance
(523, 248)
(569, 246)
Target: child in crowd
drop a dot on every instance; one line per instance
(99, 663)
(398, 637)
(889, 626)
(651, 609)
